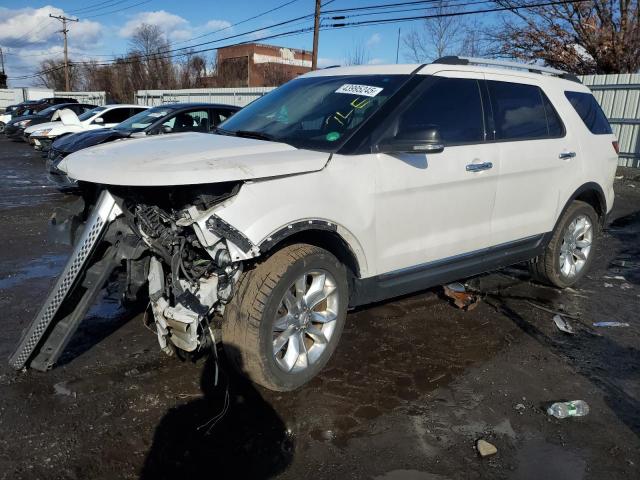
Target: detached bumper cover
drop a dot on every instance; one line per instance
(104, 212)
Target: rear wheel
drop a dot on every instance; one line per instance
(570, 251)
(285, 320)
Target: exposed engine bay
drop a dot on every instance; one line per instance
(169, 245)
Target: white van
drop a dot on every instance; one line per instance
(343, 187)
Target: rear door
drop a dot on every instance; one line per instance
(537, 157)
(435, 206)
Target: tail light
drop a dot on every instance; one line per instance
(616, 146)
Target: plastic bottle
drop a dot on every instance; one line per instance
(575, 408)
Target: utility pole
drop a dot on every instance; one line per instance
(398, 45)
(64, 32)
(316, 34)
(3, 76)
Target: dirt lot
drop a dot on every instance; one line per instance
(415, 381)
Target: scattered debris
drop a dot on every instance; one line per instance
(615, 277)
(625, 286)
(562, 324)
(461, 298)
(520, 406)
(610, 324)
(62, 389)
(573, 316)
(574, 408)
(486, 449)
(608, 285)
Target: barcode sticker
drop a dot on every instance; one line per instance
(362, 90)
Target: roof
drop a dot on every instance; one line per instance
(198, 104)
(531, 72)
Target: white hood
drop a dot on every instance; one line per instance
(5, 117)
(68, 117)
(188, 159)
(41, 126)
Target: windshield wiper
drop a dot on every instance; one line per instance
(256, 135)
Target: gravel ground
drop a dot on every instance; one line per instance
(414, 384)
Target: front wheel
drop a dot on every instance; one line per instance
(571, 249)
(285, 320)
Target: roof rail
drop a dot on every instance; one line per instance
(455, 60)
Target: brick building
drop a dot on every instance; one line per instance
(258, 65)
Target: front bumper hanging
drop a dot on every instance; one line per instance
(47, 320)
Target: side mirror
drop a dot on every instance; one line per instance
(166, 129)
(99, 120)
(426, 140)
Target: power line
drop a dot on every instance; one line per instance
(240, 22)
(328, 27)
(119, 9)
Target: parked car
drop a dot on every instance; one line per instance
(342, 187)
(169, 118)
(15, 128)
(13, 111)
(41, 136)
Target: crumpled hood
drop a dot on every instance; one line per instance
(68, 117)
(188, 159)
(78, 141)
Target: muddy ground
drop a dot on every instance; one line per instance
(414, 383)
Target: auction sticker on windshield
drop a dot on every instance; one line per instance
(365, 90)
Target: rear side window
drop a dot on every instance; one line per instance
(522, 112)
(116, 115)
(590, 112)
(452, 105)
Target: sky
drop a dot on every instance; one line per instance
(28, 35)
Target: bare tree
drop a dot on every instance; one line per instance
(439, 36)
(357, 55)
(598, 36)
(52, 75)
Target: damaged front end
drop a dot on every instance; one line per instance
(167, 239)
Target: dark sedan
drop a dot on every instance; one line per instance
(164, 119)
(16, 126)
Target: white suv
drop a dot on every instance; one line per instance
(343, 187)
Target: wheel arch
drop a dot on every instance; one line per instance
(320, 233)
(592, 194)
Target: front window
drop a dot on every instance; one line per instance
(88, 114)
(317, 113)
(47, 112)
(144, 119)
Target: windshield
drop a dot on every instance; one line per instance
(90, 113)
(47, 112)
(142, 120)
(317, 113)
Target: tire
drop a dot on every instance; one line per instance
(258, 316)
(553, 266)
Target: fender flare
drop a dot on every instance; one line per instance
(587, 187)
(317, 224)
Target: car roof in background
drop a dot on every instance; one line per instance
(181, 105)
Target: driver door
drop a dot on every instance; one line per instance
(436, 206)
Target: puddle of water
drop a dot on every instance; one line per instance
(44, 267)
(541, 460)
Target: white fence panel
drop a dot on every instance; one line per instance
(619, 97)
(228, 96)
(96, 98)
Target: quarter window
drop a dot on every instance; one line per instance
(518, 111)
(116, 115)
(451, 105)
(590, 112)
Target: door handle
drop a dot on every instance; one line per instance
(566, 155)
(478, 167)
